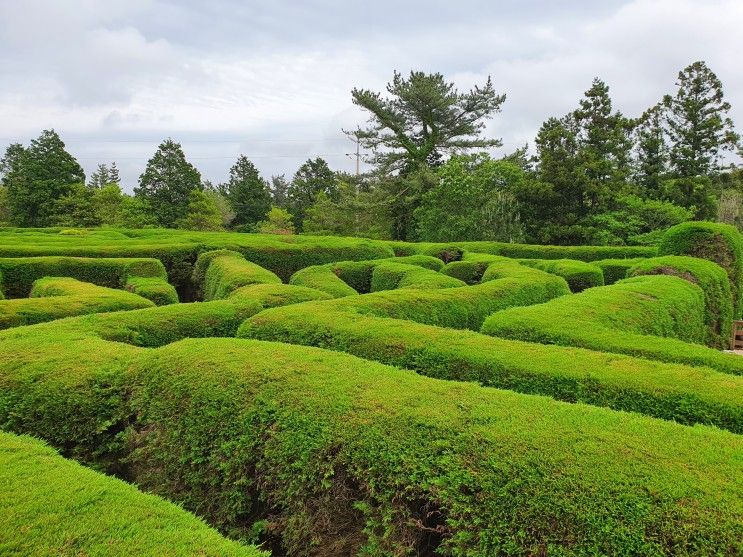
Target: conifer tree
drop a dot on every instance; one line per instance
(167, 183)
(247, 193)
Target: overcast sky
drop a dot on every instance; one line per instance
(272, 79)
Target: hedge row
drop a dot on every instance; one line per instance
(221, 272)
(716, 242)
(339, 456)
(623, 318)
(714, 283)
(527, 251)
(57, 297)
(53, 506)
(19, 273)
(179, 249)
(507, 284)
(578, 274)
(157, 290)
(348, 278)
(670, 391)
(616, 269)
(391, 276)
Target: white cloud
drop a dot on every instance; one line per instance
(264, 79)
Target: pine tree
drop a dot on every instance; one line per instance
(312, 178)
(167, 183)
(246, 193)
(697, 123)
(113, 174)
(99, 178)
(38, 176)
(202, 213)
(603, 146)
(279, 188)
(651, 152)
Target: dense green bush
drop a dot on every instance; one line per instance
(616, 269)
(57, 297)
(348, 278)
(713, 281)
(219, 273)
(389, 276)
(622, 318)
(717, 242)
(328, 439)
(19, 273)
(53, 506)
(528, 251)
(671, 391)
(158, 290)
(578, 274)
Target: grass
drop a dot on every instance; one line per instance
(53, 506)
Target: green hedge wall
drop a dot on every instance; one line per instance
(616, 269)
(349, 278)
(717, 242)
(405, 463)
(578, 274)
(670, 391)
(158, 290)
(390, 276)
(57, 297)
(219, 273)
(713, 281)
(53, 506)
(19, 273)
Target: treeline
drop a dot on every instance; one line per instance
(595, 176)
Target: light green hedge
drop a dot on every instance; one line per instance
(616, 269)
(623, 318)
(58, 297)
(390, 276)
(720, 243)
(578, 274)
(670, 391)
(349, 278)
(713, 281)
(53, 506)
(406, 463)
(158, 290)
(19, 273)
(219, 273)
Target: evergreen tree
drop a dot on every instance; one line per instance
(697, 121)
(108, 203)
(202, 213)
(279, 189)
(247, 194)
(113, 174)
(167, 183)
(76, 208)
(38, 176)
(603, 147)
(312, 178)
(424, 119)
(651, 151)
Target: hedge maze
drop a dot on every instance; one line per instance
(308, 396)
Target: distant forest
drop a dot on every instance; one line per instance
(592, 176)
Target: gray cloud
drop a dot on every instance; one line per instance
(273, 79)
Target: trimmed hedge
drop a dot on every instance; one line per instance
(508, 284)
(717, 242)
(599, 320)
(19, 273)
(53, 506)
(219, 273)
(349, 278)
(578, 274)
(616, 269)
(529, 251)
(300, 440)
(57, 297)
(157, 290)
(2, 295)
(670, 391)
(713, 281)
(390, 276)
